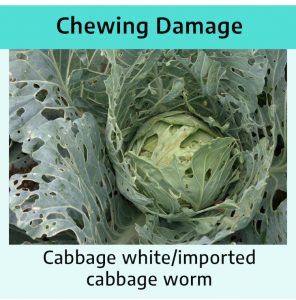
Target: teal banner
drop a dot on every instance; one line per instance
(128, 27)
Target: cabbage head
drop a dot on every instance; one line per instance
(182, 164)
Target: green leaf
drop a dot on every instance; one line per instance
(74, 187)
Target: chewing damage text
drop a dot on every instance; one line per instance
(163, 25)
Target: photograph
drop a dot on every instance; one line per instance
(157, 147)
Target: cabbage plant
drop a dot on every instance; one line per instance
(148, 146)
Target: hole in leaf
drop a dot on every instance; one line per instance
(241, 88)
(63, 151)
(20, 84)
(29, 203)
(74, 129)
(261, 133)
(20, 111)
(85, 211)
(258, 226)
(238, 72)
(189, 173)
(262, 99)
(278, 198)
(47, 178)
(76, 217)
(35, 223)
(28, 185)
(36, 144)
(21, 55)
(113, 136)
(52, 114)
(84, 153)
(268, 130)
(251, 61)
(64, 101)
(234, 105)
(41, 95)
(208, 174)
(262, 210)
(54, 216)
(279, 145)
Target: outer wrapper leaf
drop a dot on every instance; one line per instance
(74, 186)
